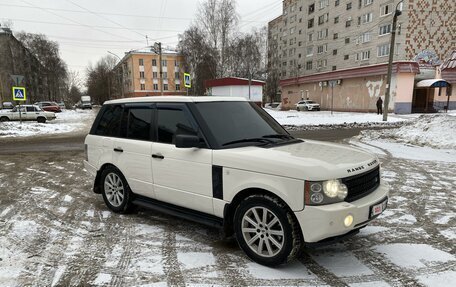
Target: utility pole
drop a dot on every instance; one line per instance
(158, 47)
(390, 62)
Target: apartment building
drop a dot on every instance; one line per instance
(316, 42)
(139, 72)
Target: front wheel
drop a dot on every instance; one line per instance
(266, 230)
(115, 190)
(4, 119)
(297, 109)
(41, 120)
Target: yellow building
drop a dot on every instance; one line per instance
(142, 74)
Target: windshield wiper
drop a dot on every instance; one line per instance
(279, 136)
(261, 140)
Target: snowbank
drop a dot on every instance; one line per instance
(65, 122)
(309, 120)
(437, 131)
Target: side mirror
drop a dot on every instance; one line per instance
(187, 141)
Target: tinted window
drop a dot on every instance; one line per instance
(231, 121)
(30, 109)
(170, 121)
(139, 122)
(110, 121)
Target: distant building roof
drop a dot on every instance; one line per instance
(232, 81)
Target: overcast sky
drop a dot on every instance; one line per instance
(87, 29)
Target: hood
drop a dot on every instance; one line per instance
(310, 160)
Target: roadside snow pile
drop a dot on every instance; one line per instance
(65, 122)
(437, 131)
(313, 120)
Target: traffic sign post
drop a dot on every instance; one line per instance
(187, 81)
(19, 94)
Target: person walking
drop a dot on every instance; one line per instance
(379, 106)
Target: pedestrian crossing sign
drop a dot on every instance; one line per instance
(19, 94)
(187, 80)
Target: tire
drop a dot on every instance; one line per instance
(277, 248)
(41, 120)
(298, 109)
(4, 119)
(116, 192)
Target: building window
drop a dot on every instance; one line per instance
(310, 23)
(324, 3)
(385, 29)
(366, 18)
(292, 30)
(323, 34)
(309, 51)
(141, 75)
(334, 68)
(383, 50)
(365, 37)
(335, 52)
(336, 20)
(176, 75)
(141, 62)
(336, 3)
(165, 75)
(364, 55)
(335, 36)
(311, 8)
(310, 37)
(165, 87)
(299, 55)
(164, 63)
(176, 63)
(349, 6)
(300, 43)
(385, 10)
(155, 87)
(347, 40)
(322, 49)
(143, 87)
(154, 62)
(154, 75)
(348, 23)
(178, 87)
(309, 65)
(322, 63)
(368, 2)
(346, 57)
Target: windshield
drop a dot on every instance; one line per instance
(311, 102)
(240, 124)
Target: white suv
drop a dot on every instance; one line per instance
(226, 162)
(307, 105)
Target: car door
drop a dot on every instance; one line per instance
(132, 150)
(182, 176)
(30, 114)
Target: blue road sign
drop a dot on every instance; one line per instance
(19, 94)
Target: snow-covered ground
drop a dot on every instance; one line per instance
(68, 121)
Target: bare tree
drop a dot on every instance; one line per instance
(101, 80)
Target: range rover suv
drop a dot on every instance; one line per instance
(225, 162)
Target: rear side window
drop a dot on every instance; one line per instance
(138, 123)
(109, 122)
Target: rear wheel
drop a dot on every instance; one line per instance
(115, 190)
(297, 109)
(4, 119)
(41, 120)
(266, 230)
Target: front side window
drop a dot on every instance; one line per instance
(171, 121)
(138, 124)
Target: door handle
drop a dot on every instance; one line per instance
(118, 149)
(158, 156)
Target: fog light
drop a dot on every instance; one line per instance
(348, 220)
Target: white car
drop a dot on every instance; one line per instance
(307, 105)
(226, 162)
(27, 113)
(273, 106)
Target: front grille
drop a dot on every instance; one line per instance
(361, 185)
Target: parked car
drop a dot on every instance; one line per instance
(307, 105)
(61, 105)
(273, 106)
(226, 162)
(28, 113)
(7, 106)
(49, 106)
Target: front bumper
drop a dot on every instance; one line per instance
(325, 221)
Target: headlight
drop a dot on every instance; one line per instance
(325, 192)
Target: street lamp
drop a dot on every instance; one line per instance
(390, 62)
(120, 75)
